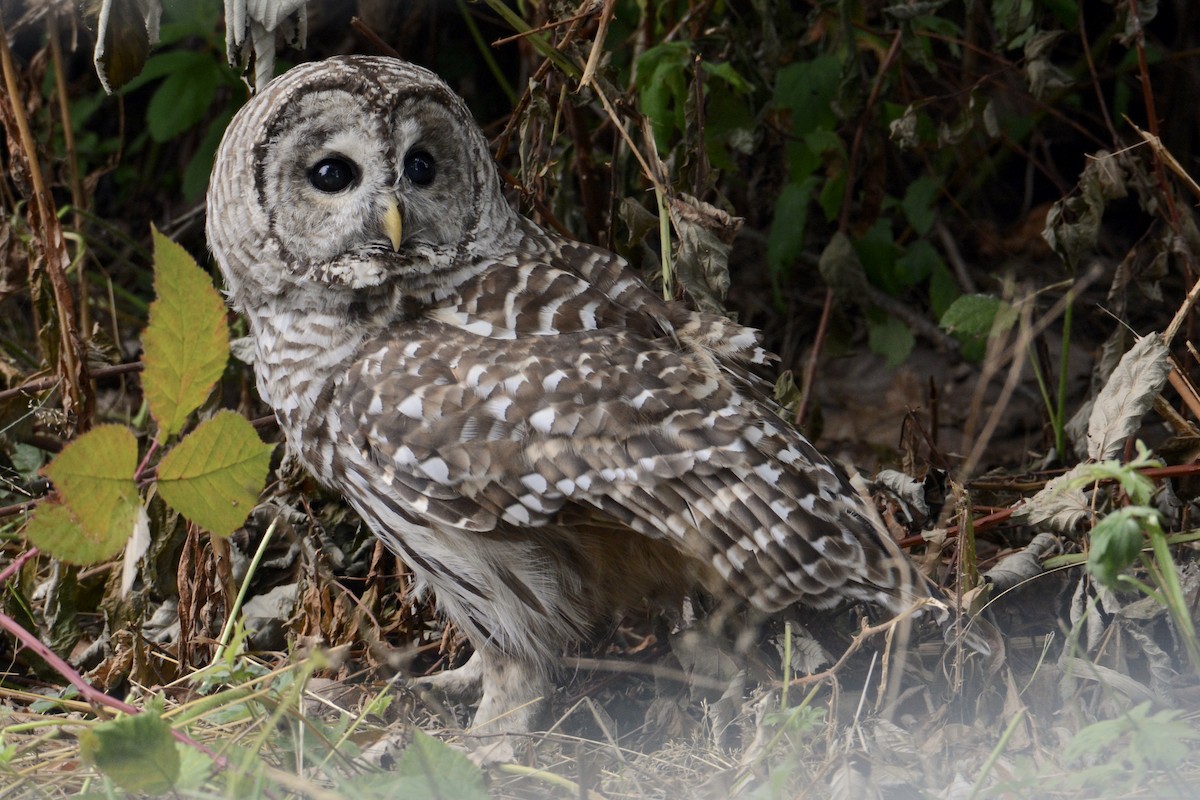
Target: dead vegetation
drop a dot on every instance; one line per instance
(968, 229)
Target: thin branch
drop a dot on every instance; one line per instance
(50, 383)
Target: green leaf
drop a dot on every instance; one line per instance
(181, 101)
(662, 89)
(918, 203)
(1136, 737)
(729, 127)
(94, 476)
(943, 288)
(727, 73)
(195, 175)
(137, 752)
(428, 768)
(160, 65)
(785, 242)
(215, 475)
(1116, 542)
(53, 529)
(877, 251)
(842, 270)
(808, 89)
(186, 343)
(891, 338)
(195, 768)
(919, 261)
(973, 317)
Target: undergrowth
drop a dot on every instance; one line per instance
(972, 220)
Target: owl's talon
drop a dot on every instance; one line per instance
(461, 683)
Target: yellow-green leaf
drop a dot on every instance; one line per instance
(94, 476)
(214, 476)
(54, 530)
(137, 752)
(186, 343)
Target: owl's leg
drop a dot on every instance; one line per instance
(516, 694)
(462, 683)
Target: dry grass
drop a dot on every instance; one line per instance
(1091, 688)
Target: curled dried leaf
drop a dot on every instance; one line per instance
(1061, 505)
(1127, 396)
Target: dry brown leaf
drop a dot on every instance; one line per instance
(1127, 396)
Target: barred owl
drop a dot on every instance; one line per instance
(541, 438)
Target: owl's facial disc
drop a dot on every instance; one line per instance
(365, 172)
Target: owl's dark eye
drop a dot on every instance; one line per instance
(331, 175)
(419, 167)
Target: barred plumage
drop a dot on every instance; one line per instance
(541, 438)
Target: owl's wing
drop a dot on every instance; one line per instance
(496, 435)
(561, 286)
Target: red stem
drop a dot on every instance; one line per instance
(94, 696)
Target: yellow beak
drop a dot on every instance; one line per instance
(393, 226)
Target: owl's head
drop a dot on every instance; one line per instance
(354, 172)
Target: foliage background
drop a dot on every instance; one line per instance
(870, 183)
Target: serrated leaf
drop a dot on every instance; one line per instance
(1116, 542)
(726, 72)
(808, 89)
(662, 89)
(972, 314)
(54, 530)
(1126, 397)
(94, 476)
(195, 768)
(428, 768)
(431, 768)
(972, 318)
(186, 344)
(137, 753)
(214, 476)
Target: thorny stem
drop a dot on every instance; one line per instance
(93, 696)
(17, 563)
(150, 451)
(859, 131)
(1087, 53)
